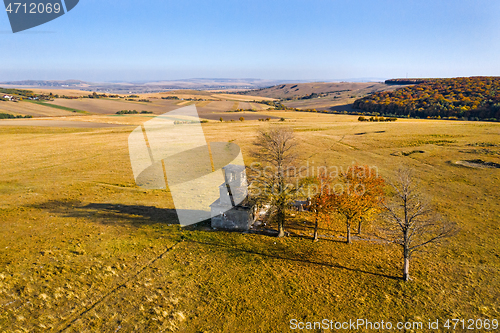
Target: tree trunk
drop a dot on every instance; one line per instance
(316, 229)
(281, 230)
(256, 212)
(348, 241)
(406, 269)
(359, 226)
(281, 223)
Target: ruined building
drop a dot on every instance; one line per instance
(230, 211)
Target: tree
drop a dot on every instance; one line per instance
(411, 222)
(274, 182)
(320, 204)
(242, 119)
(221, 119)
(361, 192)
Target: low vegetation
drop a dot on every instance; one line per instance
(133, 112)
(10, 116)
(377, 119)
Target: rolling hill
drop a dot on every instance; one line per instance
(322, 95)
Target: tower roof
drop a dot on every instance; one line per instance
(234, 168)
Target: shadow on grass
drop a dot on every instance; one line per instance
(301, 224)
(345, 107)
(108, 213)
(138, 215)
(296, 257)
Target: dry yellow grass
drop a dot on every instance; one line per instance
(243, 98)
(35, 110)
(259, 107)
(84, 249)
(67, 92)
(111, 106)
(202, 104)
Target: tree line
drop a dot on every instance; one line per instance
(133, 112)
(467, 98)
(10, 116)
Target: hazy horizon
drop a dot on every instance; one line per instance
(244, 79)
(279, 40)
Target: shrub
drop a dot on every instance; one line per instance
(127, 112)
(282, 119)
(9, 116)
(242, 119)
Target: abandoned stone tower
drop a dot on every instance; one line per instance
(230, 211)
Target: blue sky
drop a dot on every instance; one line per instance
(115, 40)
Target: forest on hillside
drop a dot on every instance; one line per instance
(467, 98)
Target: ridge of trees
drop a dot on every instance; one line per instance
(407, 81)
(465, 98)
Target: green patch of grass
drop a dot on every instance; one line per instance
(58, 107)
(446, 135)
(417, 143)
(483, 144)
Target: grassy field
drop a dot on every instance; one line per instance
(213, 106)
(32, 109)
(85, 250)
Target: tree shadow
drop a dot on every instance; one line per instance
(140, 215)
(109, 213)
(295, 258)
(134, 213)
(304, 225)
(340, 108)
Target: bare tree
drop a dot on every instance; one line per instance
(273, 182)
(411, 222)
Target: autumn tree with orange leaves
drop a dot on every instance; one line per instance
(320, 204)
(359, 194)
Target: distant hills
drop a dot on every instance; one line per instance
(46, 83)
(146, 87)
(328, 96)
(309, 90)
(139, 87)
